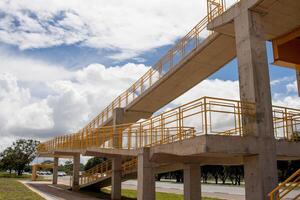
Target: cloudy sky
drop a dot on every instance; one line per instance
(62, 62)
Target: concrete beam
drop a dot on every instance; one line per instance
(206, 145)
(198, 159)
(146, 179)
(76, 169)
(261, 169)
(55, 170)
(116, 178)
(66, 153)
(192, 182)
(287, 149)
(110, 153)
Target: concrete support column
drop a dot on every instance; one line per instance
(146, 178)
(76, 169)
(192, 182)
(118, 118)
(55, 170)
(116, 178)
(298, 79)
(34, 170)
(260, 170)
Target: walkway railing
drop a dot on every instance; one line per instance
(104, 170)
(204, 116)
(166, 64)
(101, 170)
(283, 189)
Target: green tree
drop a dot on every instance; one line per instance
(92, 162)
(19, 155)
(7, 159)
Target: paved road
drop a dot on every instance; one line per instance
(209, 190)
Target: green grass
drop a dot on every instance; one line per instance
(13, 175)
(11, 189)
(132, 194)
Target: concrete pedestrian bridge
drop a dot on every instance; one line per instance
(208, 130)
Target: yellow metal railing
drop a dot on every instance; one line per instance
(99, 171)
(173, 57)
(286, 187)
(104, 169)
(203, 116)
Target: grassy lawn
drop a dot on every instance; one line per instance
(13, 175)
(131, 194)
(11, 189)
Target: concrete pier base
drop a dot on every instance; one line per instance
(116, 178)
(55, 170)
(192, 182)
(76, 169)
(146, 179)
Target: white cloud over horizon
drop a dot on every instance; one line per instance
(127, 27)
(70, 104)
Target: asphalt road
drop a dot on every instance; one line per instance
(209, 190)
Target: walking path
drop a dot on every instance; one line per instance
(57, 192)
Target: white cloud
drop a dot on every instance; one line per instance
(212, 88)
(18, 109)
(292, 87)
(31, 70)
(70, 104)
(129, 27)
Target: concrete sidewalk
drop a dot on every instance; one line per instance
(55, 192)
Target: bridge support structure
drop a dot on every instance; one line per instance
(116, 181)
(76, 169)
(260, 169)
(192, 182)
(146, 177)
(116, 178)
(55, 170)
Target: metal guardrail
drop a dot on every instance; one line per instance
(204, 116)
(286, 187)
(104, 170)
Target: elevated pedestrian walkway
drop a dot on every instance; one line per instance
(208, 130)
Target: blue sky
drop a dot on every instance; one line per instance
(62, 62)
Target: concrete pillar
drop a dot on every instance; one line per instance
(76, 169)
(116, 181)
(146, 178)
(192, 182)
(55, 170)
(260, 170)
(33, 173)
(118, 118)
(116, 178)
(298, 79)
